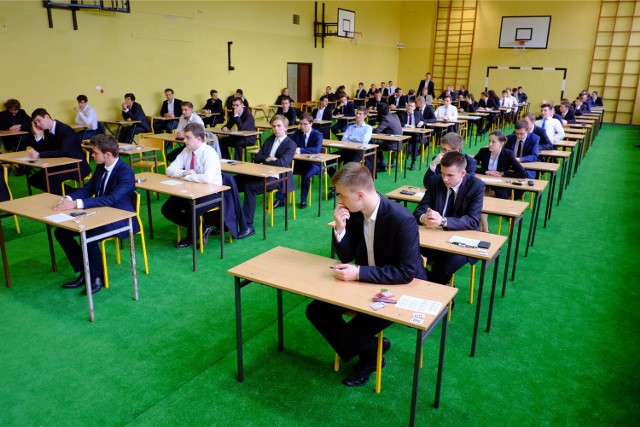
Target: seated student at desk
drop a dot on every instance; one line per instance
(447, 112)
(288, 111)
(228, 104)
(330, 95)
(544, 142)
(524, 145)
(308, 141)
(566, 112)
(131, 110)
(213, 105)
(86, 116)
(372, 104)
(549, 124)
(198, 162)
(357, 132)
(495, 160)
(452, 201)
(113, 185)
(470, 103)
(449, 142)
(594, 100)
(428, 115)
(171, 107)
(55, 139)
(278, 150)
(522, 97)
(449, 92)
(14, 118)
(389, 125)
(579, 107)
(188, 116)
(344, 108)
(284, 93)
(359, 97)
(243, 120)
(371, 90)
(413, 119)
(323, 112)
(383, 240)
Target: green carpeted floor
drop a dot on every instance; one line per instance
(562, 348)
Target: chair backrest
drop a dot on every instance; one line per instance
(156, 143)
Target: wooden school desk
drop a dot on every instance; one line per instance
(571, 146)
(365, 149)
(559, 156)
(40, 208)
(120, 124)
(552, 170)
(5, 133)
(22, 158)
(281, 268)
(399, 140)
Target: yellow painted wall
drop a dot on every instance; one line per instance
(183, 45)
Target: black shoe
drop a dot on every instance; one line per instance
(184, 243)
(205, 235)
(96, 286)
(303, 205)
(74, 283)
(361, 374)
(412, 167)
(250, 231)
(332, 193)
(278, 204)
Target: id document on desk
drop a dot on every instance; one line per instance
(418, 304)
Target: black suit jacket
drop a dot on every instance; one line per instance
(291, 115)
(284, 157)
(472, 165)
(570, 117)
(346, 110)
(214, 107)
(229, 102)
(396, 246)
(63, 144)
(177, 107)
(544, 143)
(326, 114)
(428, 115)
(417, 118)
(507, 163)
(430, 87)
(137, 113)
(21, 118)
(119, 193)
(466, 209)
(359, 94)
(402, 102)
(244, 121)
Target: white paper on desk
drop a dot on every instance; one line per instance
(420, 194)
(226, 160)
(464, 241)
(418, 304)
(171, 182)
(59, 217)
(235, 133)
(24, 159)
(491, 179)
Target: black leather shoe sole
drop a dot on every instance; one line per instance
(184, 243)
(278, 204)
(95, 287)
(74, 284)
(361, 376)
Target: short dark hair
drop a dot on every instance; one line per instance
(39, 112)
(453, 139)
(566, 103)
(106, 143)
(196, 129)
(447, 97)
(11, 104)
(383, 108)
(280, 117)
(522, 124)
(187, 104)
(546, 105)
(454, 158)
(498, 134)
(307, 116)
(285, 98)
(237, 99)
(239, 91)
(212, 91)
(377, 91)
(130, 95)
(355, 176)
(363, 109)
(168, 90)
(323, 97)
(82, 98)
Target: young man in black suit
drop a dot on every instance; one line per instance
(308, 141)
(413, 119)
(278, 150)
(360, 95)
(525, 145)
(451, 141)
(323, 112)
(55, 139)
(398, 100)
(171, 108)
(287, 110)
(387, 253)
(131, 110)
(566, 112)
(14, 118)
(452, 201)
(389, 125)
(242, 118)
(346, 109)
(213, 105)
(113, 185)
(428, 83)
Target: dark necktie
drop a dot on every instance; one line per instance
(449, 204)
(103, 181)
(519, 148)
(193, 161)
(544, 124)
(306, 138)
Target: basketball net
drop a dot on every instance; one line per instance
(353, 37)
(520, 47)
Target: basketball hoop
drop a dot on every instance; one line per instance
(520, 46)
(353, 37)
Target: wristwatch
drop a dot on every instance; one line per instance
(443, 224)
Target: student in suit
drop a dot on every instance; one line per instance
(242, 119)
(544, 142)
(449, 92)
(566, 112)
(188, 116)
(323, 112)
(237, 94)
(413, 120)
(411, 95)
(330, 95)
(398, 100)
(584, 97)
(85, 116)
(594, 100)
(284, 93)
(372, 104)
(198, 162)
(428, 83)
(113, 185)
(522, 97)
(131, 110)
(452, 201)
(360, 95)
(463, 91)
(171, 107)
(384, 90)
(579, 107)
(470, 105)
(428, 115)
(524, 145)
(55, 139)
(389, 125)
(497, 161)
(345, 108)
(278, 150)
(213, 105)
(549, 124)
(14, 118)
(371, 90)
(308, 141)
(449, 142)
(288, 111)
(392, 88)
(388, 255)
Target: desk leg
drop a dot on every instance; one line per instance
(493, 290)
(238, 292)
(134, 266)
(264, 209)
(566, 184)
(547, 211)
(87, 274)
(194, 232)
(532, 225)
(54, 266)
(323, 168)
(416, 378)
(515, 256)
(397, 161)
(221, 225)
(483, 269)
(506, 263)
(443, 339)
(280, 322)
(562, 174)
(536, 206)
(5, 263)
(286, 202)
(149, 214)
(26, 176)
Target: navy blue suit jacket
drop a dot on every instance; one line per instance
(291, 115)
(360, 93)
(119, 193)
(544, 142)
(530, 149)
(507, 163)
(64, 143)
(137, 113)
(177, 107)
(314, 143)
(346, 110)
(326, 114)
(284, 157)
(466, 209)
(428, 115)
(396, 246)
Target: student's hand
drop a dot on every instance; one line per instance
(124, 105)
(495, 173)
(346, 272)
(298, 150)
(341, 215)
(65, 204)
(15, 128)
(180, 134)
(33, 154)
(437, 159)
(77, 108)
(169, 115)
(188, 172)
(225, 129)
(432, 218)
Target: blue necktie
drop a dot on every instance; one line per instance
(544, 124)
